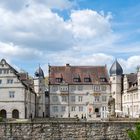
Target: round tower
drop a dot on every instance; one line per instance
(116, 73)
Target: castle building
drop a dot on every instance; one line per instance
(80, 91)
(21, 96)
(125, 89)
(17, 97)
(72, 91)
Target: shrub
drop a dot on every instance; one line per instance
(134, 134)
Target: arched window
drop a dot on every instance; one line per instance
(96, 110)
(15, 114)
(3, 113)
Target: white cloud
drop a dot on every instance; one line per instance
(57, 4)
(35, 27)
(88, 24)
(130, 64)
(17, 5)
(9, 50)
(38, 27)
(86, 38)
(92, 59)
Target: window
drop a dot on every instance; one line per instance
(136, 95)
(131, 96)
(59, 80)
(73, 108)
(113, 78)
(137, 108)
(0, 81)
(103, 88)
(6, 71)
(11, 94)
(0, 71)
(54, 98)
(64, 98)
(103, 108)
(80, 108)
(104, 98)
(124, 98)
(76, 80)
(87, 79)
(9, 81)
(80, 98)
(73, 98)
(80, 87)
(54, 88)
(127, 97)
(64, 88)
(63, 108)
(73, 88)
(97, 98)
(55, 108)
(96, 88)
(103, 79)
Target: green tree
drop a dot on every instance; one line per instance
(134, 134)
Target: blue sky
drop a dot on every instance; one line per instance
(79, 32)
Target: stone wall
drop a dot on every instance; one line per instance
(65, 131)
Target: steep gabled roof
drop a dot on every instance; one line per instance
(24, 81)
(132, 81)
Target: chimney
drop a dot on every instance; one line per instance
(67, 65)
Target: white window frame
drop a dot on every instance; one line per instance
(104, 98)
(54, 98)
(63, 108)
(80, 98)
(11, 94)
(55, 108)
(80, 87)
(64, 98)
(54, 88)
(73, 99)
(10, 81)
(73, 108)
(81, 108)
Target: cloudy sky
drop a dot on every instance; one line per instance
(79, 32)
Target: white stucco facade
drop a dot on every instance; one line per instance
(131, 96)
(17, 100)
(88, 101)
(39, 87)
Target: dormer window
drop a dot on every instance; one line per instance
(87, 79)
(76, 78)
(103, 79)
(59, 80)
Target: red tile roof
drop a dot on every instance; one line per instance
(68, 73)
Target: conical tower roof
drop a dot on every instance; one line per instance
(39, 72)
(116, 69)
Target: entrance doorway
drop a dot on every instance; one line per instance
(15, 114)
(3, 113)
(97, 112)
